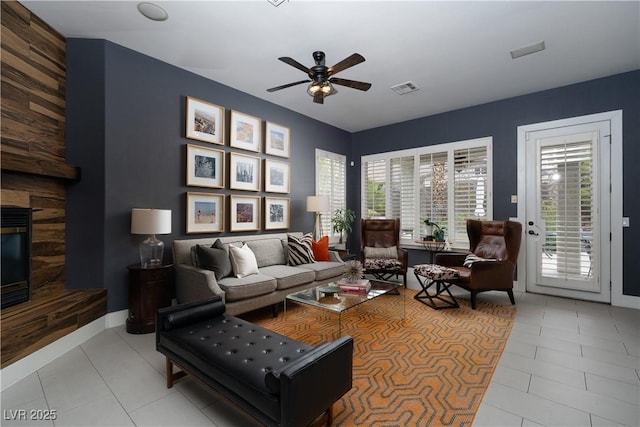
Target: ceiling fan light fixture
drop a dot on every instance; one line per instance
(325, 87)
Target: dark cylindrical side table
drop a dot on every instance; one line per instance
(149, 290)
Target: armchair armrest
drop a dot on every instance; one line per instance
(193, 283)
(335, 257)
(309, 372)
(450, 259)
(498, 273)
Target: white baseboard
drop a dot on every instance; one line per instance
(36, 360)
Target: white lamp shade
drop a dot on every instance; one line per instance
(317, 203)
(150, 221)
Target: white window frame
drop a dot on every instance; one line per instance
(337, 193)
(449, 148)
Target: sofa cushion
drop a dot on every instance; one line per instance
(247, 287)
(300, 250)
(321, 249)
(268, 252)
(326, 270)
(390, 252)
(215, 258)
(243, 261)
(287, 276)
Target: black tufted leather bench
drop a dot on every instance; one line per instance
(277, 380)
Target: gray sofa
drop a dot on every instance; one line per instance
(275, 278)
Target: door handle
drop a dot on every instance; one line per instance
(533, 233)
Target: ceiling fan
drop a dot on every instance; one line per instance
(321, 76)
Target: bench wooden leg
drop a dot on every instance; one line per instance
(171, 377)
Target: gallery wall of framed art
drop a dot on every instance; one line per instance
(231, 179)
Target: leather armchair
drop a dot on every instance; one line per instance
(497, 244)
(375, 236)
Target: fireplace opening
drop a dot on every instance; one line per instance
(15, 234)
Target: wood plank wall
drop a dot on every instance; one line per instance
(33, 127)
(35, 174)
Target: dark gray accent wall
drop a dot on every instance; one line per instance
(126, 127)
(500, 120)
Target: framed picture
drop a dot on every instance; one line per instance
(246, 131)
(205, 213)
(205, 167)
(245, 213)
(205, 121)
(277, 140)
(276, 176)
(244, 172)
(276, 213)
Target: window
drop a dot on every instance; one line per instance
(331, 181)
(446, 183)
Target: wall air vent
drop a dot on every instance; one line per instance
(404, 88)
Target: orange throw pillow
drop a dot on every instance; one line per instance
(321, 249)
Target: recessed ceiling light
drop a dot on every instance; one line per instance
(527, 50)
(153, 11)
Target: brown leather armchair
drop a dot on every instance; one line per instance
(378, 237)
(497, 244)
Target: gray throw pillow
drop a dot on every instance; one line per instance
(216, 259)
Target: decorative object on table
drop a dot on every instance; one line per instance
(246, 131)
(245, 213)
(205, 121)
(205, 167)
(277, 139)
(276, 176)
(360, 286)
(342, 221)
(434, 231)
(151, 222)
(354, 271)
(317, 204)
(329, 290)
(244, 172)
(276, 213)
(205, 213)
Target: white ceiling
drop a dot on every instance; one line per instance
(456, 52)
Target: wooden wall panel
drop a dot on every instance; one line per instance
(35, 173)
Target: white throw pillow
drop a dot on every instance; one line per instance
(381, 253)
(471, 258)
(243, 261)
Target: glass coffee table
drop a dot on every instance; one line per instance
(341, 301)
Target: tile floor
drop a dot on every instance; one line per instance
(567, 363)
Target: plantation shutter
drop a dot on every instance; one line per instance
(566, 203)
(470, 189)
(374, 175)
(402, 203)
(331, 181)
(433, 190)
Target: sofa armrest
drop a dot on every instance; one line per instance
(335, 256)
(193, 283)
(309, 374)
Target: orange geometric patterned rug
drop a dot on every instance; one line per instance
(430, 368)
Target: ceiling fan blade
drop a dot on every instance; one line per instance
(350, 61)
(350, 83)
(295, 64)
(273, 89)
(318, 98)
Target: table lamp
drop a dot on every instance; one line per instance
(151, 222)
(317, 204)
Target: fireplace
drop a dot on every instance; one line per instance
(16, 255)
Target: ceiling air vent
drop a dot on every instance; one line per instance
(404, 88)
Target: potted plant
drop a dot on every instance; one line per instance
(342, 221)
(434, 231)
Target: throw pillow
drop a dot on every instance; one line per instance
(321, 249)
(471, 258)
(215, 258)
(381, 253)
(300, 249)
(243, 261)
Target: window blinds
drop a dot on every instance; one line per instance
(331, 181)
